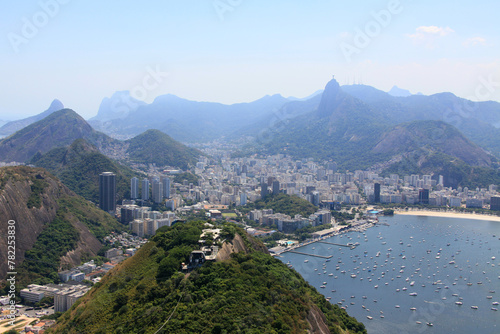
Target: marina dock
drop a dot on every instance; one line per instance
(342, 245)
(321, 256)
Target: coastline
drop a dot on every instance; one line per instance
(461, 215)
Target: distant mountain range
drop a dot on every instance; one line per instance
(478, 121)
(10, 127)
(359, 127)
(183, 120)
(396, 91)
(61, 128)
(58, 129)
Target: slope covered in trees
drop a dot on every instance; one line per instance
(79, 165)
(55, 228)
(156, 147)
(250, 292)
(288, 204)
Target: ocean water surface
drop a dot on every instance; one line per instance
(415, 274)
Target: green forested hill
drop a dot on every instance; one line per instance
(250, 292)
(54, 227)
(59, 129)
(288, 204)
(62, 235)
(456, 172)
(78, 167)
(359, 134)
(154, 146)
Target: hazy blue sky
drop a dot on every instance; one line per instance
(240, 50)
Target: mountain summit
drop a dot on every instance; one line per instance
(118, 106)
(330, 99)
(184, 120)
(60, 128)
(11, 127)
(396, 91)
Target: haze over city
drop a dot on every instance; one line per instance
(239, 51)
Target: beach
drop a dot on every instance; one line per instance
(447, 214)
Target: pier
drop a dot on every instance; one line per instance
(321, 256)
(342, 245)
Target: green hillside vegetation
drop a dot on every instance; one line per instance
(59, 129)
(78, 167)
(288, 204)
(156, 147)
(358, 133)
(42, 262)
(186, 176)
(37, 187)
(342, 128)
(349, 143)
(474, 119)
(248, 293)
(456, 173)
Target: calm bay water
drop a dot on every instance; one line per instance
(442, 260)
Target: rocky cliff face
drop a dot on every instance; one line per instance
(238, 245)
(30, 197)
(15, 191)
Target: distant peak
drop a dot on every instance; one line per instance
(399, 92)
(330, 98)
(332, 84)
(56, 105)
(65, 112)
(332, 88)
(118, 106)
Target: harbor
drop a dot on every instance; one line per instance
(409, 273)
(360, 227)
(314, 255)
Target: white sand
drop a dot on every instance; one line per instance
(448, 214)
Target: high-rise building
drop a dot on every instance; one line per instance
(331, 166)
(310, 189)
(276, 187)
(441, 180)
(376, 192)
(145, 189)
(455, 201)
(423, 196)
(270, 180)
(495, 203)
(157, 191)
(107, 192)
(263, 189)
(474, 203)
(315, 198)
(134, 188)
(243, 198)
(414, 180)
(127, 213)
(166, 187)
